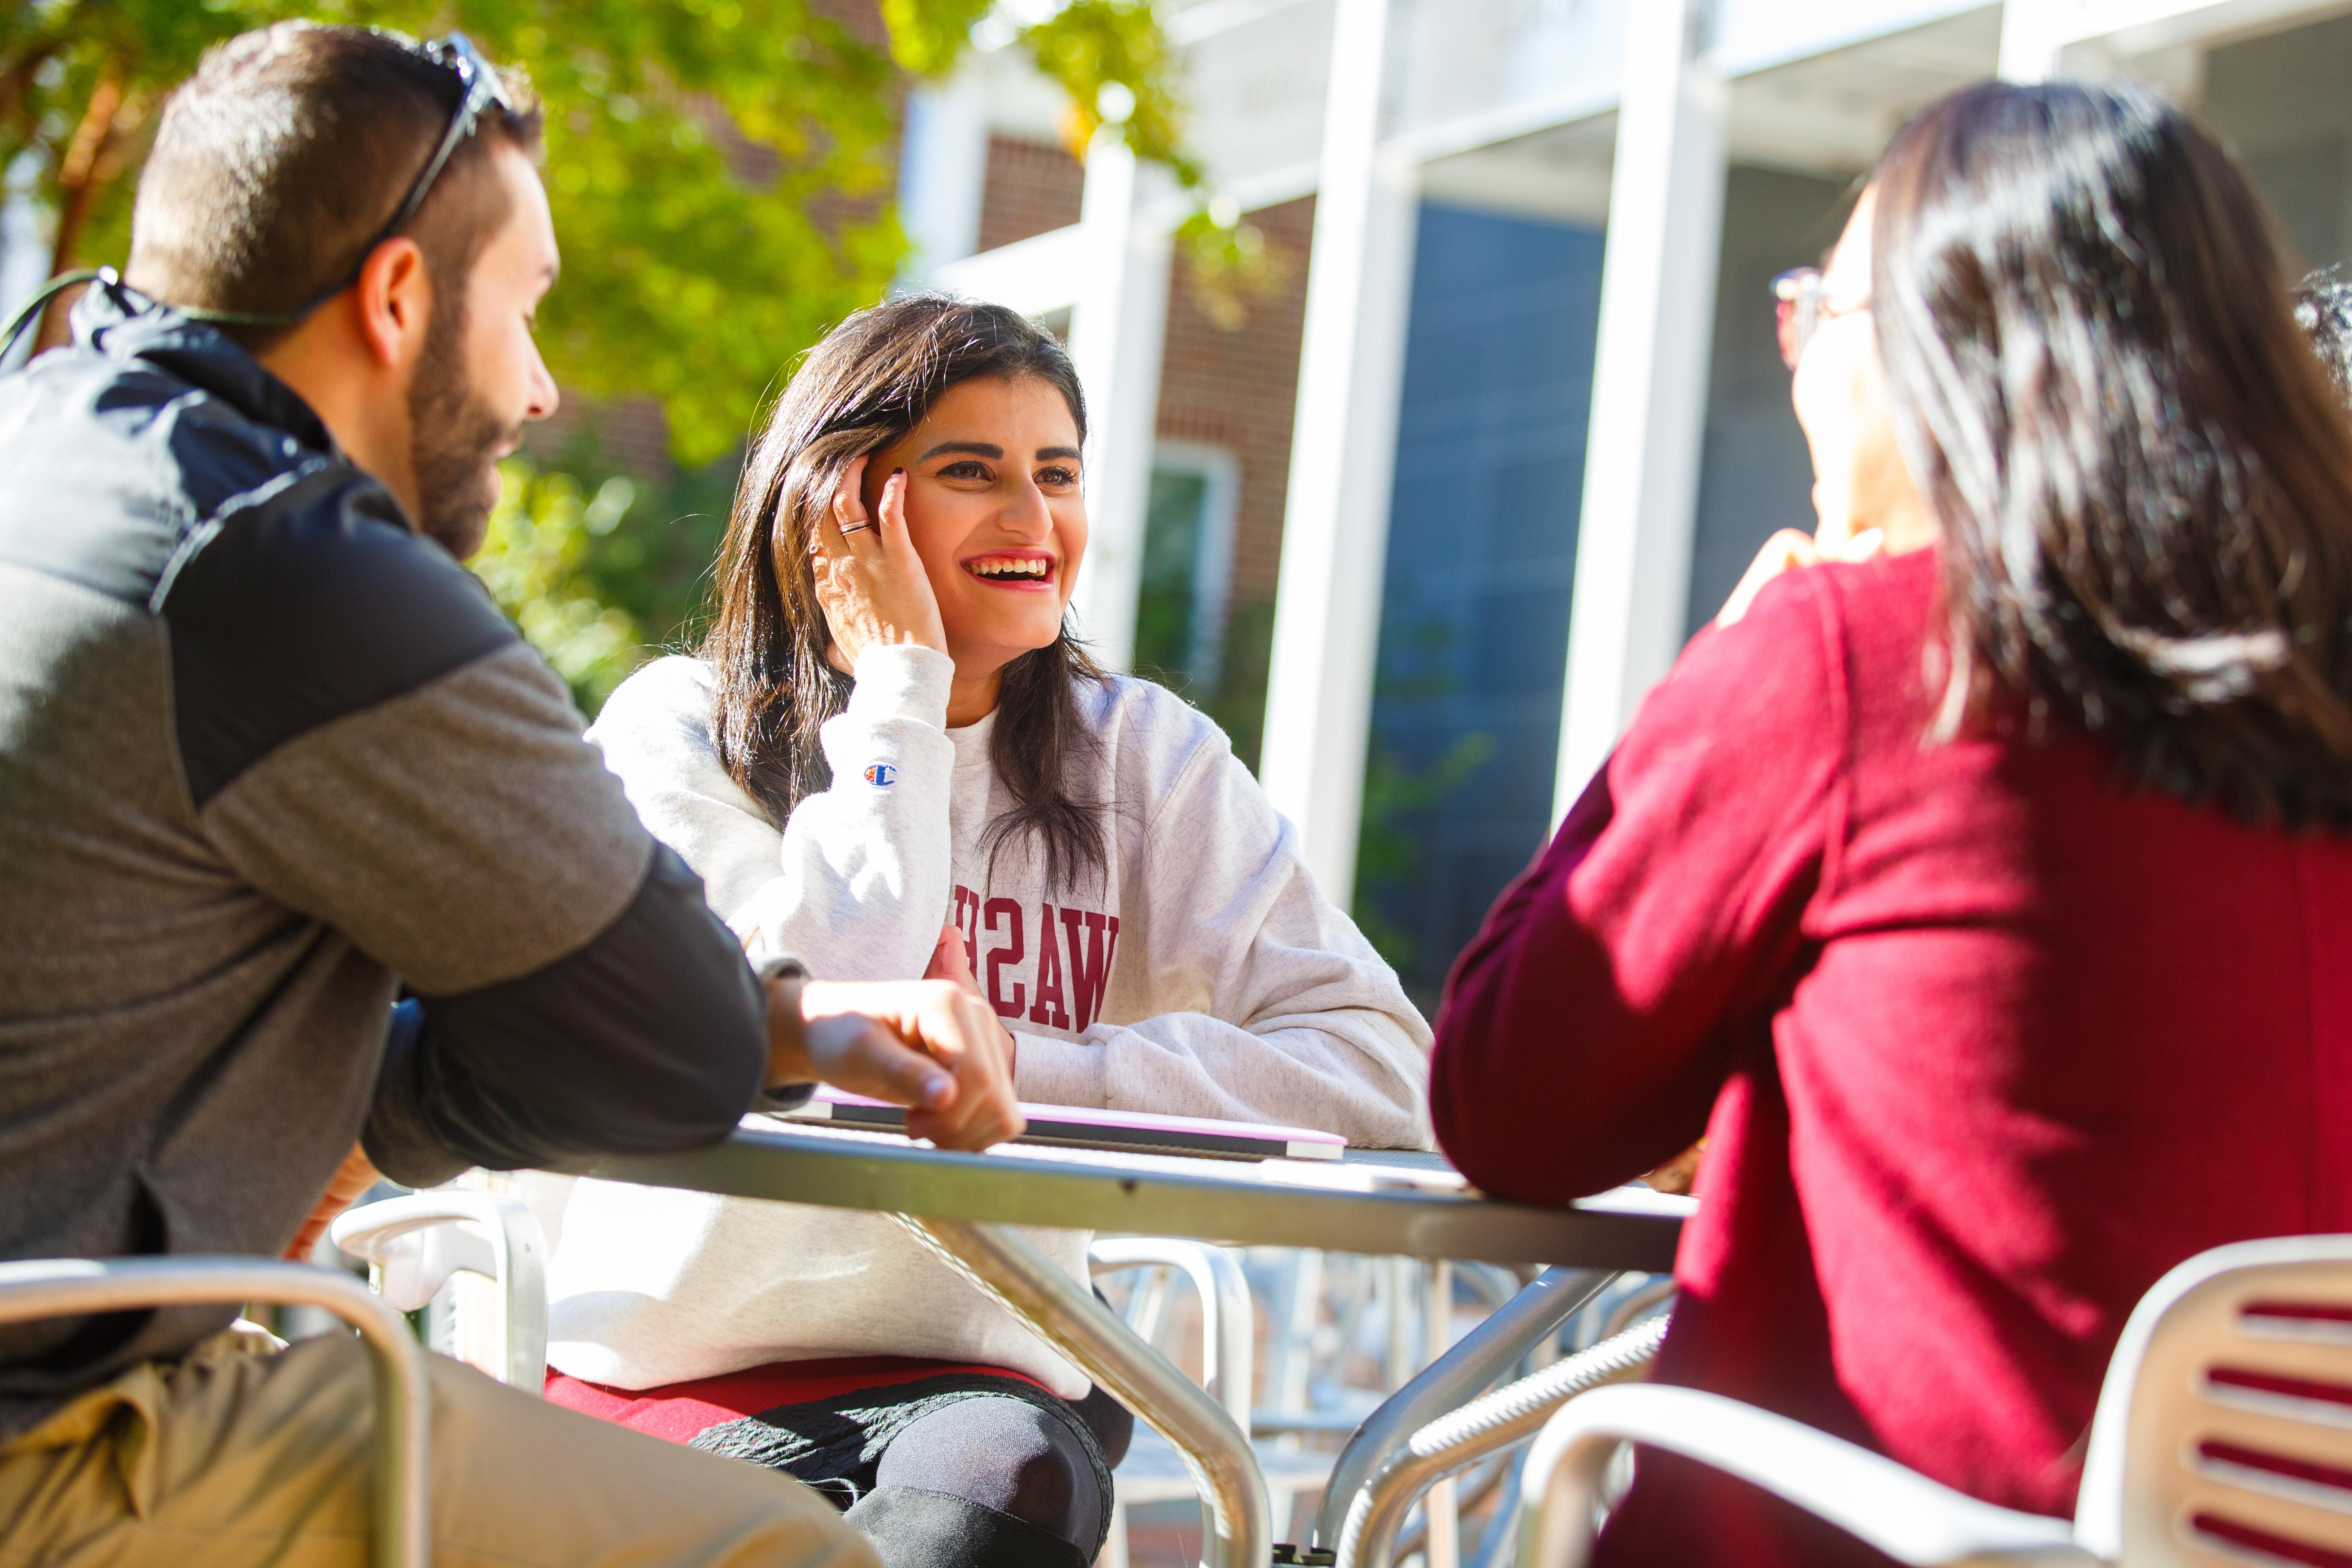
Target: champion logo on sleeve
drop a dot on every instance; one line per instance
(881, 775)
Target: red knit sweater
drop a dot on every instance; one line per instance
(1989, 1044)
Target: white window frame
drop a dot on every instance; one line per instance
(1212, 561)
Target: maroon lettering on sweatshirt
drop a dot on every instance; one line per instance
(1073, 970)
(967, 921)
(1091, 960)
(1011, 952)
(1049, 976)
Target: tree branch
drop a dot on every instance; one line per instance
(19, 65)
(81, 173)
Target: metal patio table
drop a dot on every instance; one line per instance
(963, 1206)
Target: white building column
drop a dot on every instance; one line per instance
(1118, 326)
(1649, 388)
(942, 173)
(1335, 523)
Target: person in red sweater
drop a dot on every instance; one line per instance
(1986, 903)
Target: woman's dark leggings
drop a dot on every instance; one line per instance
(995, 1481)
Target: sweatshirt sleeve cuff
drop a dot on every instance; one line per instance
(896, 680)
(1049, 1071)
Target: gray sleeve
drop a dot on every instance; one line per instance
(575, 993)
(1257, 998)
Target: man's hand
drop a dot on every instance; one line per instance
(929, 1045)
(355, 1177)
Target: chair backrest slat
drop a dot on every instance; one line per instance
(2224, 1431)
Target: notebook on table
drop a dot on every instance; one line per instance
(1125, 1131)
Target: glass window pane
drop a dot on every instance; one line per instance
(1171, 555)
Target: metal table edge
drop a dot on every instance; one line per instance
(1595, 1234)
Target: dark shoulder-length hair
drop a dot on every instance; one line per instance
(2142, 478)
(872, 380)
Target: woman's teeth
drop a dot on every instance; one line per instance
(1008, 566)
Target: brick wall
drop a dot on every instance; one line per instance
(1237, 390)
(630, 435)
(1032, 188)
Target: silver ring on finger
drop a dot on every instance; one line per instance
(849, 527)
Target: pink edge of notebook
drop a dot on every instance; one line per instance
(1271, 1142)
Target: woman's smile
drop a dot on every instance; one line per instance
(1021, 571)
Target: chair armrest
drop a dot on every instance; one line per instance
(1227, 1329)
(1897, 1510)
(413, 1245)
(70, 1287)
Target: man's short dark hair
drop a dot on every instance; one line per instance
(288, 149)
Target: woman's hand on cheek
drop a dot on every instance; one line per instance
(869, 580)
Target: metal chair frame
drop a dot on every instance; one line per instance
(60, 1287)
(413, 1245)
(2222, 1438)
(1452, 1380)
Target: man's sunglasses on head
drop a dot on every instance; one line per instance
(482, 88)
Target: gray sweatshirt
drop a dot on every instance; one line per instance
(1205, 974)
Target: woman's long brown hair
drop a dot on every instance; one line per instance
(872, 380)
(2141, 474)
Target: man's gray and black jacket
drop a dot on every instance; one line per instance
(267, 754)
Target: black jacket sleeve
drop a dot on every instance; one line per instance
(650, 1038)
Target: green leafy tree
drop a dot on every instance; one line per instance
(1118, 70)
(536, 563)
(720, 173)
(719, 169)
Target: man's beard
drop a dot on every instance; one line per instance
(458, 439)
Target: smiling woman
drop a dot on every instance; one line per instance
(989, 486)
(893, 759)
(969, 421)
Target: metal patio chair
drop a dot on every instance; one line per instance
(1153, 1471)
(414, 1245)
(60, 1288)
(2222, 1438)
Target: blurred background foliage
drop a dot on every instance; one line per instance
(542, 562)
(721, 172)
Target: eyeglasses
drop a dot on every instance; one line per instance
(1801, 303)
(482, 90)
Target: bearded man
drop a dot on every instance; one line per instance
(268, 754)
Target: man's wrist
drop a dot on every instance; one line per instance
(791, 1077)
